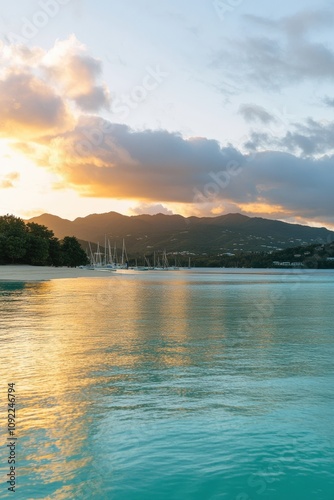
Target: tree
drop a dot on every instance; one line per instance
(9, 224)
(73, 254)
(38, 244)
(39, 230)
(37, 250)
(2, 249)
(55, 253)
(13, 238)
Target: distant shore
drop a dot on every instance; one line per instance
(41, 273)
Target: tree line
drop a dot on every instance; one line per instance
(315, 256)
(34, 244)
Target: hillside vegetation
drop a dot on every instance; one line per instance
(212, 235)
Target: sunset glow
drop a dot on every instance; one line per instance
(89, 125)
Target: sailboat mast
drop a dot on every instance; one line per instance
(109, 253)
(91, 254)
(115, 253)
(105, 249)
(122, 261)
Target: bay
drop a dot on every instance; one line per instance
(190, 384)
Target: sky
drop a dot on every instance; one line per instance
(201, 107)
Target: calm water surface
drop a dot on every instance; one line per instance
(171, 385)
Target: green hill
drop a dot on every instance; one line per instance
(215, 235)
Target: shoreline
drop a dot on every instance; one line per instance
(20, 273)
(25, 273)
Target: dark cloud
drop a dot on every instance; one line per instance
(102, 159)
(302, 186)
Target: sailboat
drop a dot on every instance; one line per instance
(163, 265)
(124, 264)
(146, 267)
(98, 260)
(175, 267)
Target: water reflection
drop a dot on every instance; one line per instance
(102, 365)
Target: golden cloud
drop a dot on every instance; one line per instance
(45, 101)
(43, 92)
(8, 180)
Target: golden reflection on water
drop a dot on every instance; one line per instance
(63, 336)
(103, 323)
(68, 343)
(44, 361)
(58, 338)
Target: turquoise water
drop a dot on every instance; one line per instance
(171, 385)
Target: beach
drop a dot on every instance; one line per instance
(45, 273)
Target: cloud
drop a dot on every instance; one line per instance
(46, 116)
(8, 180)
(302, 23)
(311, 138)
(329, 101)
(283, 186)
(258, 140)
(281, 53)
(29, 107)
(146, 208)
(42, 93)
(94, 100)
(69, 67)
(101, 159)
(254, 112)
(297, 25)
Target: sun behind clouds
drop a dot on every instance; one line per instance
(68, 155)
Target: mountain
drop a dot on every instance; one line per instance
(212, 235)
